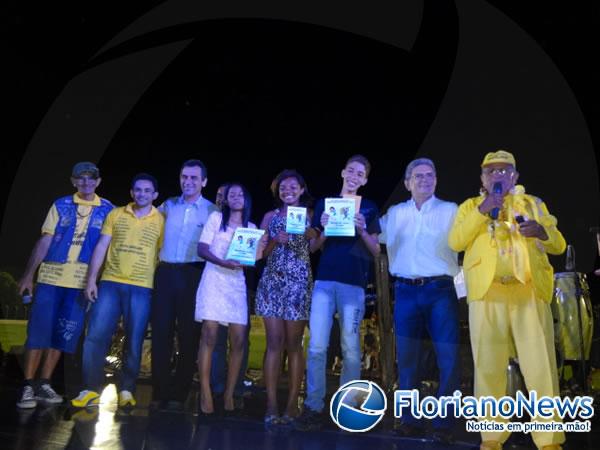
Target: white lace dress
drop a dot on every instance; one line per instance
(221, 294)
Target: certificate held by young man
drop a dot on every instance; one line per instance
(244, 245)
(341, 213)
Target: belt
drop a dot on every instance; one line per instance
(423, 280)
(182, 264)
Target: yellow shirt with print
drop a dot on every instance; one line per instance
(71, 274)
(133, 252)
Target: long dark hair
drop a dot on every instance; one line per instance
(304, 200)
(226, 211)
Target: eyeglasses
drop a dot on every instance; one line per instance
(86, 179)
(498, 171)
(423, 176)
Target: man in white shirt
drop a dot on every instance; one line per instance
(423, 266)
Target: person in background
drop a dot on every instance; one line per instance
(220, 196)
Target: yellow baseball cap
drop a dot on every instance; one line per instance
(501, 156)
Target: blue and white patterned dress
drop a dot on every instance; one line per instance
(285, 288)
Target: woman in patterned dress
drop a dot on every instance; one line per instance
(221, 296)
(284, 293)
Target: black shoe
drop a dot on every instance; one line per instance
(407, 430)
(218, 400)
(309, 420)
(206, 417)
(27, 398)
(44, 393)
(443, 436)
(229, 413)
(155, 405)
(238, 402)
(174, 406)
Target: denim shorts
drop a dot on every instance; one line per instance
(56, 319)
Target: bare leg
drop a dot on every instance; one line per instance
(294, 333)
(52, 357)
(237, 340)
(32, 362)
(275, 332)
(208, 339)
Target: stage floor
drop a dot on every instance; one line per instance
(58, 427)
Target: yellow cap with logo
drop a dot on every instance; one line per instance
(501, 156)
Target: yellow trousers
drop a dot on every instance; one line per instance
(510, 315)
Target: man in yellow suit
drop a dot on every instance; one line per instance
(506, 235)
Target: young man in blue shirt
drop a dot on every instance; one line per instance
(339, 287)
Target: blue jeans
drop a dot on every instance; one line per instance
(349, 302)
(57, 318)
(432, 307)
(115, 299)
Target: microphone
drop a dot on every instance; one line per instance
(497, 190)
(570, 265)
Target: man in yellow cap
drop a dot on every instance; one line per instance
(63, 253)
(506, 235)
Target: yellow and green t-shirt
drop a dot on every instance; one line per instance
(71, 274)
(133, 251)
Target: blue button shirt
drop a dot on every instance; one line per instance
(183, 225)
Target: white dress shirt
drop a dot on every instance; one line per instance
(417, 240)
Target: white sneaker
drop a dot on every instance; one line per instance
(45, 393)
(27, 399)
(86, 398)
(126, 399)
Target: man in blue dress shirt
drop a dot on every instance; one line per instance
(176, 282)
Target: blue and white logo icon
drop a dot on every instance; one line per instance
(358, 406)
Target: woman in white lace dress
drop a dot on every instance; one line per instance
(221, 296)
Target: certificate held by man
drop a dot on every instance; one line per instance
(244, 245)
(341, 213)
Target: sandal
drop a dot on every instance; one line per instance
(272, 419)
(286, 420)
(490, 445)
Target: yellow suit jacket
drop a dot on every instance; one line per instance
(472, 232)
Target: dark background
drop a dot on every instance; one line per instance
(252, 97)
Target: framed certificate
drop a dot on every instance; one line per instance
(244, 245)
(341, 216)
(295, 221)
